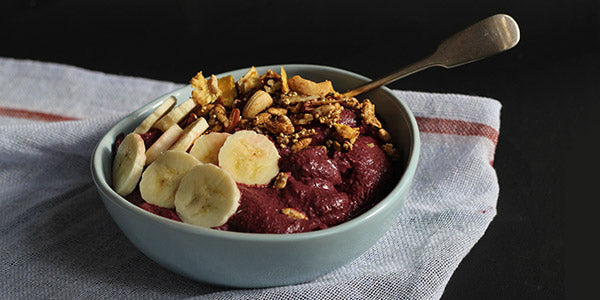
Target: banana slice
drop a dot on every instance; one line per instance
(161, 179)
(128, 164)
(190, 134)
(160, 111)
(163, 143)
(175, 115)
(249, 157)
(206, 148)
(207, 196)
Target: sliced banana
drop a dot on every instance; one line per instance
(190, 134)
(207, 196)
(163, 143)
(206, 148)
(249, 157)
(175, 115)
(128, 164)
(161, 179)
(158, 113)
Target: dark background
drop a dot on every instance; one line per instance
(547, 86)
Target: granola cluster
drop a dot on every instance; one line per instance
(284, 109)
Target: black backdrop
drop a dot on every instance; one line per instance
(546, 85)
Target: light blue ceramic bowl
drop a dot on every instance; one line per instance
(261, 260)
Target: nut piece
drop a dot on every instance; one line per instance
(301, 144)
(293, 213)
(221, 115)
(335, 145)
(213, 85)
(202, 94)
(308, 87)
(297, 108)
(345, 133)
(270, 74)
(261, 119)
(367, 112)
(271, 82)
(343, 137)
(384, 135)
(281, 180)
(293, 98)
(203, 110)
(217, 118)
(260, 101)
(234, 119)
(391, 151)
(245, 124)
(351, 103)
(249, 82)
(277, 111)
(279, 124)
(285, 88)
(301, 119)
(328, 114)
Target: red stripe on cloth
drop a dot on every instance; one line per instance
(457, 127)
(33, 115)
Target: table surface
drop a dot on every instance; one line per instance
(546, 87)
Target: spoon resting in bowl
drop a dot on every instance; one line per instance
(485, 38)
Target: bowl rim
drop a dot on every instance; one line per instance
(413, 157)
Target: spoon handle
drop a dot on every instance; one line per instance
(490, 36)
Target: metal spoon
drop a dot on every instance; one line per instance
(490, 36)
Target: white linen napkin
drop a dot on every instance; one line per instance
(58, 242)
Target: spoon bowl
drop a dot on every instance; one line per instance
(485, 38)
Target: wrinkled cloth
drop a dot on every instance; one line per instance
(57, 241)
